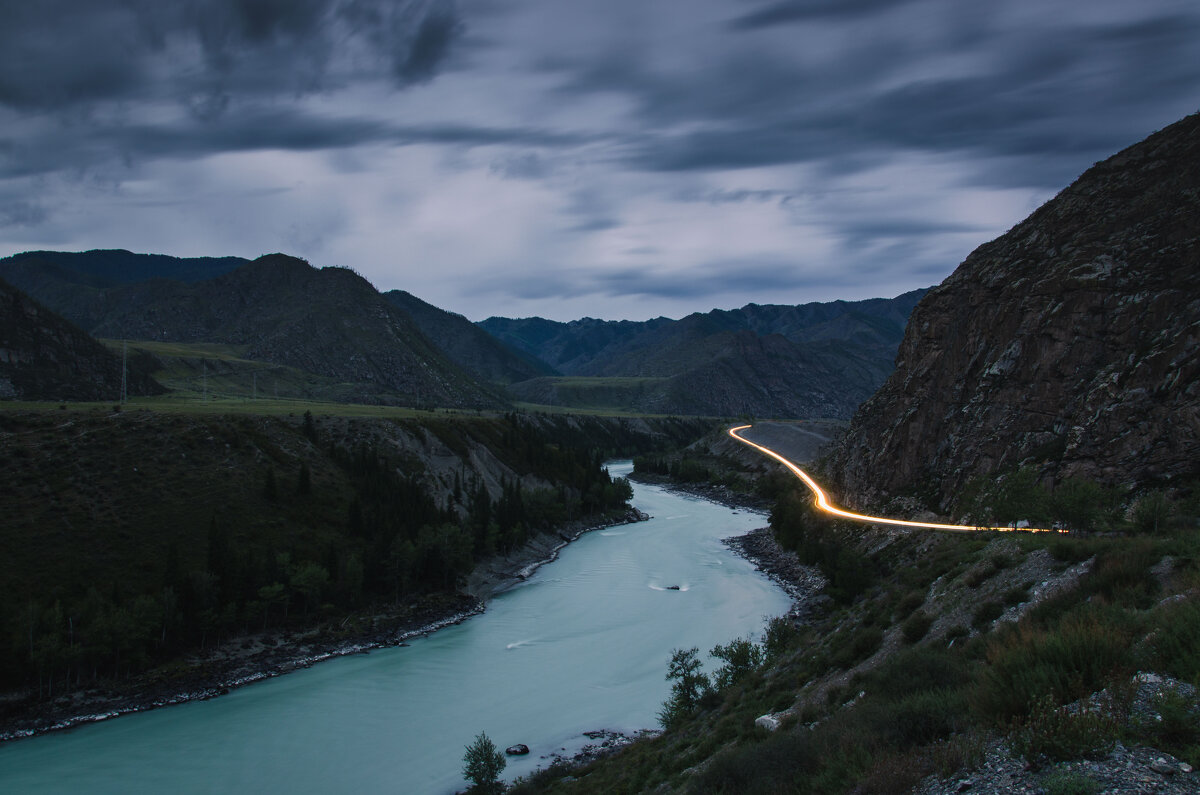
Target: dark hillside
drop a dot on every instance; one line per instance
(109, 267)
(43, 357)
(71, 283)
(814, 360)
(467, 345)
(128, 539)
(1066, 346)
(279, 309)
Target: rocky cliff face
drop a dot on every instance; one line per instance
(43, 357)
(1069, 344)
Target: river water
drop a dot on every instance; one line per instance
(581, 645)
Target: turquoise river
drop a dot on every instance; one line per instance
(581, 645)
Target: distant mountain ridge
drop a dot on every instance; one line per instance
(1067, 345)
(109, 267)
(812, 360)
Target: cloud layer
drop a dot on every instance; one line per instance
(615, 159)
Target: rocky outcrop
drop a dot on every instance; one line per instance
(1068, 344)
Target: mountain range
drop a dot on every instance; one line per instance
(815, 360)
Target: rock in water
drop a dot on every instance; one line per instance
(520, 749)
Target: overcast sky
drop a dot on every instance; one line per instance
(608, 158)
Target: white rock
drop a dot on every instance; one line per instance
(768, 722)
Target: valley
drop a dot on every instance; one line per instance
(217, 470)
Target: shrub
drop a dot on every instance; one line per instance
(784, 756)
(911, 601)
(1071, 550)
(1174, 645)
(986, 613)
(895, 772)
(1078, 656)
(1017, 594)
(1175, 726)
(859, 646)
(780, 635)
(1061, 734)
(1122, 574)
(741, 656)
(957, 631)
(916, 670)
(1153, 513)
(924, 717)
(915, 627)
(963, 751)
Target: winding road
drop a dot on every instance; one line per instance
(822, 500)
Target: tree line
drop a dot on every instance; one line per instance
(395, 542)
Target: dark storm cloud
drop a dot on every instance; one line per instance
(272, 128)
(763, 276)
(718, 278)
(430, 46)
(792, 12)
(1081, 90)
(56, 54)
(720, 147)
(21, 213)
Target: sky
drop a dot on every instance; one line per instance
(571, 158)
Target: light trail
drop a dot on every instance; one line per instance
(825, 505)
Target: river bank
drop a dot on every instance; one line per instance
(713, 492)
(253, 657)
(802, 583)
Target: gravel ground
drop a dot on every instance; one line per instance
(1139, 769)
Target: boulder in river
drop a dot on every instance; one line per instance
(520, 749)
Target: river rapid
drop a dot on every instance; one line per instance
(581, 645)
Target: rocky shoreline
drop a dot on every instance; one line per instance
(500, 573)
(713, 492)
(252, 658)
(802, 583)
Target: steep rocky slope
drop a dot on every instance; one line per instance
(43, 357)
(467, 345)
(1068, 344)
